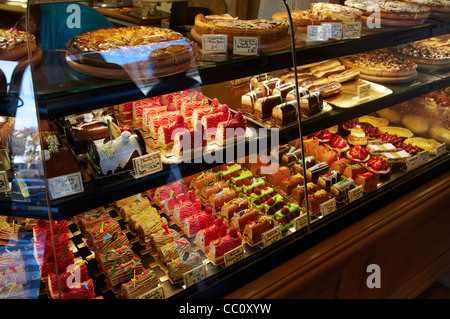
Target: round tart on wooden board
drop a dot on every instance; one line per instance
(130, 52)
(273, 35)
(14, 47)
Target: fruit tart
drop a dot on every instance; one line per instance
(379, 166)
(339, 144)
(358, 154)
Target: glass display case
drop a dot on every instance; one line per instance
(148, 161)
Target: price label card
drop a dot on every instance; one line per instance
(147, 164)
(317, 33)
(246, 45)
(423, 157)
(355, 193)
(194, 276)
(334, 30)
(155, 293)
(364, 91)
(4, 181)
(234, 255)
(351, 30)
(441, 149)
(271, 236)
(328, 207)
(300, 222)
(214, 43)
(412, 163)
(65, 185)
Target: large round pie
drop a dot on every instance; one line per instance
(395, 10)
(121, 50)
(13, 44)
(273, 35)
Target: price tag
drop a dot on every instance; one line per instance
(246, 45)
(317, 33)
(155, 293)
(364, 91)
(271, 236)
(194, 276)
(351, 30)
(214, 43)
(65, 185)
(412, 163)
(4, 181)
(423, 157)
(334, 30)
(234, 255)
(441, 149)
(301, 221)
(328, 207)
(147, 164)
(355, 193)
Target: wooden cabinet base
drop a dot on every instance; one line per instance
(403, 247)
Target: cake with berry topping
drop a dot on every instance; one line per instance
(219, 247)
(194, 223)
(284, 217)
(378, 165)
(338, 143)
(167, 133)
(231, 130)
(206, 235)
(358, 154)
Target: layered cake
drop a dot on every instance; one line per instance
(286, 186)
(368, 181)
(315, 200)
(313, 173)
(216, 201)
(285, 113)
(190, 141)
(167, 133)
(243, 217)
(231, 130)
(219, 247)
(204, 179)
(285, 216)
(263, 106)
(194, 223)
(211, 190)
(233, 207)
(298, 193)
(327, 180)
(340, 189)
(275, 178)
(253, 230)
(185, 209)
(206, 235)
(352, 170)
(340, 164)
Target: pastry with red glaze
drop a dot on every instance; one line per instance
(194, 223)
(379, 166)
(164, 192)
(368, 181)
(206, 235)
(166, 133)
(153, 121)
(196, 102)
(190, 141)
(179, 199)
(232, 129)
(222, 245)
(338, 143)
(212, 120)
(206, 109)
(84, 290)
(358, 154)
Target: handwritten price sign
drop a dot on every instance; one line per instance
(147, 164)
(65, 185)
(246, 46)
(214, 43)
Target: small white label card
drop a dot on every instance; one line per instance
(328, 206)
(351, 30)
(301, 221)
(355, 193)
(363, 91)
(147, 164)
(246, 45)
(412, 163)
(4, 181)
(234, 255)
(155, 293)
(65, 185)
(214, 43)
(334, 30)
(271, 236)
(194, 276)
(423, 157)
(441, 149)
(317, 33)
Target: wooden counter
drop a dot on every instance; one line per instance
(409, 239)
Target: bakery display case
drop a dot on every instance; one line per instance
(141, 162)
